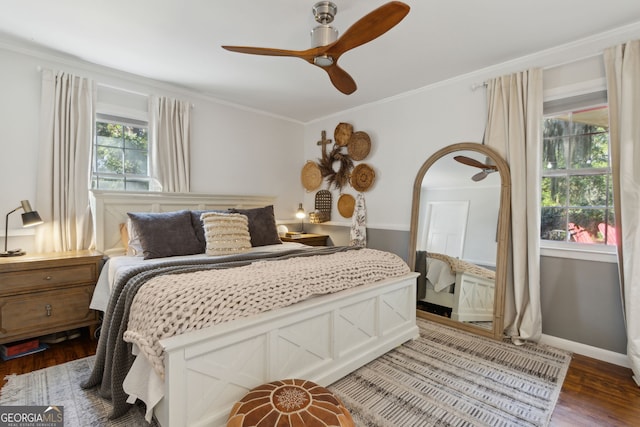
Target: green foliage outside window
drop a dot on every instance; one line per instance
(120, 157)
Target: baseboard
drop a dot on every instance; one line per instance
(587, 350)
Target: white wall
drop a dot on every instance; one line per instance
(480, 245)
(234, 150)
(404, 132)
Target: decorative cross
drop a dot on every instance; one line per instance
(324, 142)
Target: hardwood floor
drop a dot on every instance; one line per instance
(594, 393)
(56, 354)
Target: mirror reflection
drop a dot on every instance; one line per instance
(460, 200)
(456, 234)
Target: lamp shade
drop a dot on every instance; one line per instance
(300, 214)
(31, 218)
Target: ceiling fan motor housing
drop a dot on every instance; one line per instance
(325, 11)
(324, 33)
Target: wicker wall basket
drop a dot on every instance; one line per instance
(362, 177)
(322, 208)
(310, 176)
(346, 205)
(359, 145)
(343, 134)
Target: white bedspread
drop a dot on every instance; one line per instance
(439, 274)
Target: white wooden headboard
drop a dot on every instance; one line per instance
(110, 209)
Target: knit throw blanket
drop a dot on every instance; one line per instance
(460, 266)
(114, 355)
(170, 305)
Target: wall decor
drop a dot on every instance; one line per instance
(342, 134)
(340, 177)
(322, 211)
(359, 145)
(310, 176)
(336, 165)
(346, 205)
(362, 177)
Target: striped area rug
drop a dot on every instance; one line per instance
(452, 378)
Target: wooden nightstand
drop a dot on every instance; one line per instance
(307, 239)
(45, 293)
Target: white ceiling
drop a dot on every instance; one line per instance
(178, 41)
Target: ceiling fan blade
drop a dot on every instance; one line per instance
(473, 162)
(369, 27)
(341, 79)
(480, 176)
(307, 55)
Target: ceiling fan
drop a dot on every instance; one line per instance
(327, 47)
(486, 168)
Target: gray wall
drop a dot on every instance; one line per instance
(580, 300)
(386, 240)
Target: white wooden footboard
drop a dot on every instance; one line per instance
(321, 339)
(474, 298)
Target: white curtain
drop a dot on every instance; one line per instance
(64, 173)
(622, 65)
(514, 130)
(170, 142)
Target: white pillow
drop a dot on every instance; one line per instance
(134, 247)
(226, 233)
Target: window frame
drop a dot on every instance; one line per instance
(574, 250)
(128, 117)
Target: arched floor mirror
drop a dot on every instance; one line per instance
(459, 237)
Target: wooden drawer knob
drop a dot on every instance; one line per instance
(48, 308)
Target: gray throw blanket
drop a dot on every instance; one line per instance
(114, 357)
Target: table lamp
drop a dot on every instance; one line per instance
(29, 218)
(301, 215)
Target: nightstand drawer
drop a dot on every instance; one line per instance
(16, 281)
(45, 310)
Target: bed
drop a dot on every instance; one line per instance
(467, 289)
(204, 371)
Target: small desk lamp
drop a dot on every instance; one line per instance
(301, 215)
(29, 218)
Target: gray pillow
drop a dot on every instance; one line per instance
(262, 225)
(196, 223)
(165, 234)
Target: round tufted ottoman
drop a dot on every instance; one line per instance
(289, 403)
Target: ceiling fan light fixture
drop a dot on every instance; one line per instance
(323, 60)
(480, 176)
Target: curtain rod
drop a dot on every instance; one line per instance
(191, 104)
(477, 86)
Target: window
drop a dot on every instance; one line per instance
(120, 154)
(576, 189)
